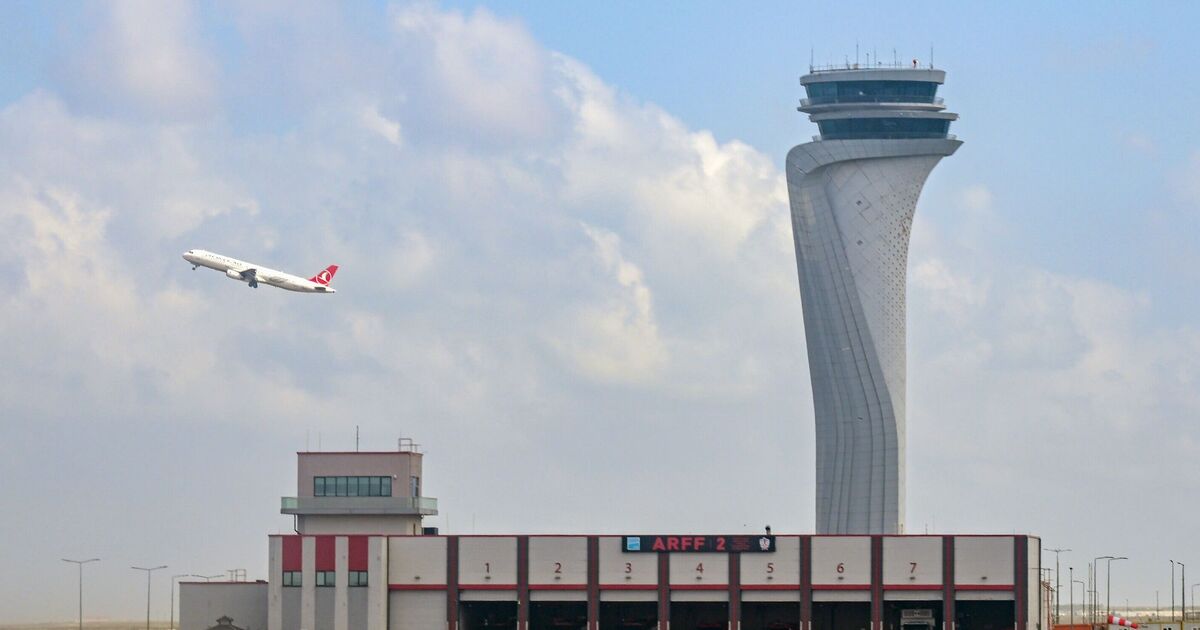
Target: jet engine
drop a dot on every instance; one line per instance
(234, 275)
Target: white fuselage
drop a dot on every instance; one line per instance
(234, 268)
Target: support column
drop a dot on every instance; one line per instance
(452, 582)
(664, 591)
(735, 590)
(1021, 581)
(377, 583)
(593, 582)
(948, 594)
(308, 583)
(522, 582)
(806, 591)
(275, 583)
(877, 582)
(341, 581)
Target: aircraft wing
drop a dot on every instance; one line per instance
(251, 276)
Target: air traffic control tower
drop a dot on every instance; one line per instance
(853, 190)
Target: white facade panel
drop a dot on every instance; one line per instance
(274, 583)
(558, 596)
(780, 568)
(557, 560)
(488, 596)
(841, 596)
(487, 560)
(912, 560)
(202, 603)
(416, 610)
(852, 205)
(377, 583)
(841, 560)
(341, 557)
(325, 608)
(308, 583)
(618, 567)
(984, 561)
(912, 596)
(770, 596)
(629, 596)
(417, 560)
(699, 596)
(699, 568)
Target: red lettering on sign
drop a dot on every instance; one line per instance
(720, 543)
(698, 543)
(672, 544)
(658, 544)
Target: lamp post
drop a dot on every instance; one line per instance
(1095, 578)
(173, 578)
(1073, 583)
(1194, 598)
(81, 563)
(208, 578)
(1108, 581)
(148, 571)
(1057, 583)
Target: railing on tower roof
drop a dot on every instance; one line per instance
(877, 65)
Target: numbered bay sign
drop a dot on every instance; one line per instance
(701, 544)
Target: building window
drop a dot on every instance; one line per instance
(291, 578)
(415, 486)
(358, 578)
(352, 486)
(326, 578)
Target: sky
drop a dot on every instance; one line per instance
(567, 272)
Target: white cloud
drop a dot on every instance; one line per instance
(144, 59)
(616, 339)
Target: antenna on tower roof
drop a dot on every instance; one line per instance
(856, 54)
(356, 438)
(931, 56)
(810, 59)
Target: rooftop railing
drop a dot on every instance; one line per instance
(358, 505)
(876, 65)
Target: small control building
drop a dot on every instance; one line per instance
(361, 560)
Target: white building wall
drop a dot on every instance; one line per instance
(781, 568)
(487, 560)
(341, 554)
(325, 608)
(912, 560)
(620, 568)
(308, 583)
(274, 583)
(417, 560)
(417, 610)
(202, 603)
(557, 560)
(985, 561)
(377, 583)
(852, 204)
(841, 560)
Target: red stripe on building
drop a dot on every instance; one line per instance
(359, 553)
(326, 553)
(293, 553)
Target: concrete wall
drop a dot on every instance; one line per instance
(202, 603)
(398, 465)
(360, 524)
(416, 610)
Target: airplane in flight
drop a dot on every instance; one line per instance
(253, 274)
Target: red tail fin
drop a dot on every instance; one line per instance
(325, 277)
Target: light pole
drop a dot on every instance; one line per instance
(1108, 581)
(1182, 595)
(81, 563)
(1194, 598)
(1082, 584)
(148, 571)
(1095, 578)
(173, 578)
(208, 578)
(1057, 583)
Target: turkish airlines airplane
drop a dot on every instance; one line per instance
(253, 274)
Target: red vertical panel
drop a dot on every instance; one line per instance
(593, 582)
(522, 581)
(293, 554)
(664, 591)
(359, 554)
(806, 591)
(735, 588)
(1020, 583)
(877, 582)
(948, 595)
(452, 582)
(326, 556)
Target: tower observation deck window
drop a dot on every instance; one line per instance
(352, 486)
(883, 128)
(871, 92)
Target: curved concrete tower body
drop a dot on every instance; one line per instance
(853, 190)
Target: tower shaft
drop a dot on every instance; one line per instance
(853, 192)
